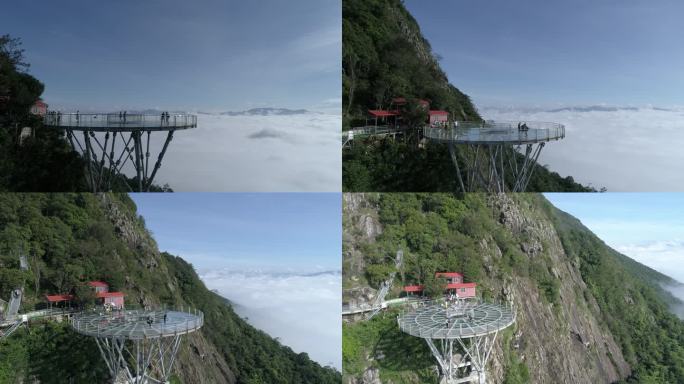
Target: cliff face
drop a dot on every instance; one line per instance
(563, 342)
(560, 335)
(72, 238)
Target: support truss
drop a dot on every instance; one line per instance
(487, 167)
(146, 361)
(470, 367)
(106, 155)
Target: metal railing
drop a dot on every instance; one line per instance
(497, 132)
(119, 121)
(371, 130)
(137, 324)
(421, 320)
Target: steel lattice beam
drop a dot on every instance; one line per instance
(105, 158)
(486, 167)
(145, 361)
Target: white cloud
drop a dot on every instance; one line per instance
(666, 257)
(622, 149)
(678, 292)
(253, 153)
(302, 309)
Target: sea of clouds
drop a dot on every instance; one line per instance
(301, 309)
(664, 257)
(621, 149)
(284, 153)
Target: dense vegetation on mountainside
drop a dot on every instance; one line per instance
(442, 232)
(385, 56)
(74, 238)
(43, 162)
(633, 304)
(386, 165)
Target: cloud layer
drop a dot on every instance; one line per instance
(253, 153)
(666, 257)
(622, 149)
(302, 309)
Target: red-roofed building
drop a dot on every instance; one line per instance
(438, 117)
(413, 288)
(463, 290)
(58, 298)
(454, 284)
(381, 113)
(102, 296)
(111, 299)
(39, 108)
(451, 277)
(392, 116)
(55, 300)
(99, 286)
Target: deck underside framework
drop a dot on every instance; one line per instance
(107, 153)
(487, 167)
(142, 361)
(464, 364)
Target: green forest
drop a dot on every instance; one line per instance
(44, 162)
(385, 56)
(444, 232)
(71, 239)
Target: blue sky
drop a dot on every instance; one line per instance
(648, 227)
(210, 55)
(301, 231)
(546, 53)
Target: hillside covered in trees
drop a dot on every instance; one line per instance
(385, 56)
(44, 161)
(586, 313)
(74, 238)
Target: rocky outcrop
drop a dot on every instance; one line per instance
(127, 227)
(361, 214)
(370, 376)
(564, 341)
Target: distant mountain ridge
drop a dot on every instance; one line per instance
(587, 108)
(266, 112)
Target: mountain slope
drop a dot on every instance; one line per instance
(72, 238)
(585, 313)
(384, 56)
(44, 161)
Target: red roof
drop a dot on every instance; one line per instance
(109, 294)
(382, 113)
(438, 112)
(413, 288)
(98, 284)
(58, 298)
(461, 285)
(448, 274)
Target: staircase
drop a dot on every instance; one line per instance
(386, 286)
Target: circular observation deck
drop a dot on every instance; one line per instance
(137, 324)
(116, 122)
(496, 132)
(436, 321)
